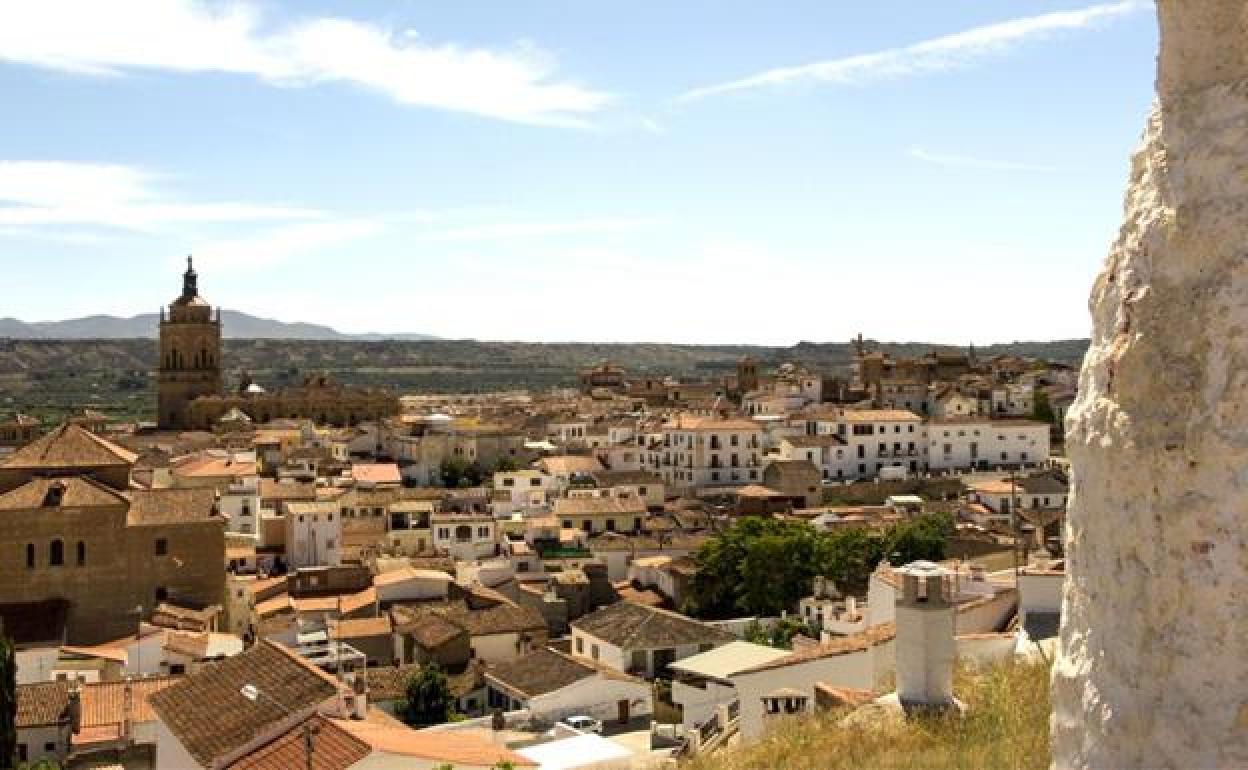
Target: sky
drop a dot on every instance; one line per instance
(707, 171)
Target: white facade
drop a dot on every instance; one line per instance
(313, 535)
(465, 536)
(240, 504)
(966, 443)
(707, 452)
(864, 670)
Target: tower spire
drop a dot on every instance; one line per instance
(190, 279)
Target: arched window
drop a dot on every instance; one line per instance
(56, 554)
(82, 554)
(30, 556)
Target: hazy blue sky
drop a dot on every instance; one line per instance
(617, 170)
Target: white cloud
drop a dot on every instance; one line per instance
(938, 54)
(510, 230)
(108, 195)
(119, 36)
(967, 161)
(282, 243)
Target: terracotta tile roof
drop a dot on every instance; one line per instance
(588, 506)
(714, 425)
(539, 673)
(70, 492)
(455, 747)
(634, 627)
(844, 646)
(829, 697)
(428, 629)
(361, 628)
(211, 719)
(69, 446)
(352, 603)
(104, 703)
(377, 473)
(43, 704)
(564, 465)
(213, 465)
(880, 415)
(271, 489)
(500, 619)
(170, 506)
(757, 490)
(410, 573)
(333, 748)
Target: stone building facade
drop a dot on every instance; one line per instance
(191, 393)
(72, 528)
(190, 353)
(319, 399)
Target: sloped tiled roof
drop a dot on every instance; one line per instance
(540, 672)
(75, 492)
(473, 748)
(42, 704)
(208, 715)
(69, 446)
(585, 506)
(104, 703)
(169, 506)
(632, 627)
(332, 749)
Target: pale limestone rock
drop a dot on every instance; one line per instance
(1153, 665)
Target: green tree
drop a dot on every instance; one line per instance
(8, 701)
(1042, 410)
(764, 566)
(428, 700)
(452, 472)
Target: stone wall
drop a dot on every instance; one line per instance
(1154, 643)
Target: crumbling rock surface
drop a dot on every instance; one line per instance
(1153, 663)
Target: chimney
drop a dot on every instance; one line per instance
(925, 646)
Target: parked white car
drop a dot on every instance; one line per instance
(584, 724)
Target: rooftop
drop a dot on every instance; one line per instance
(632, 627)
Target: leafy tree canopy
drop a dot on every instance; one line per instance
(763, 566)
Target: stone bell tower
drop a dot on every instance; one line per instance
(190, 353)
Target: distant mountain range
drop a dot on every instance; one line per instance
(236, 326)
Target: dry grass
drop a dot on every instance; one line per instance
(1006, 725)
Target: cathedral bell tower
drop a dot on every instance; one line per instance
(190, 353)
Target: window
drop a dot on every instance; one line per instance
(580, 645)
(593, 652)
(56, 554)
(30, 556)
(509, 482)
(483, 531)
(162, 545)
(162, 593)
(329, 517)
(177, 669)
(535, 482)
(329, 544)
(21, 752)
(82, 554)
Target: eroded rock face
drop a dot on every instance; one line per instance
(1153, 667)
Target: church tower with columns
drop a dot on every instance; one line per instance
(190, 353)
